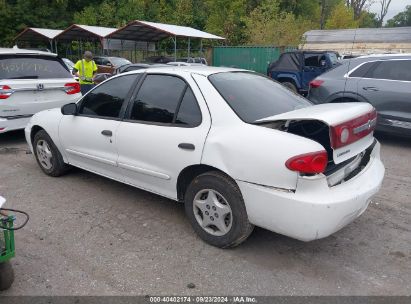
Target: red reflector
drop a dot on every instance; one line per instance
(309, 163)
(5, 91)
(316, 83)
(72, 88)
(353, 130)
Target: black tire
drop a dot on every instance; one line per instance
(240, 229)
(6, 276)
(291, 86)
(58, 167)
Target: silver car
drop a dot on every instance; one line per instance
(381, 80)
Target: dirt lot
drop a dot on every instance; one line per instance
(91, 235)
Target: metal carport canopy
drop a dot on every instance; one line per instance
(84, 32)
(151, 31)
(37, 34)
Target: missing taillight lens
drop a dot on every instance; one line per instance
(5, 91)
(353, 130)
(316, 83)
(310, 163)
(72, 88)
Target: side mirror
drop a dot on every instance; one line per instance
(69, 109)
(109, 64)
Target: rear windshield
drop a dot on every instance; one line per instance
(119, 61)
(32, 67)
(253, 97)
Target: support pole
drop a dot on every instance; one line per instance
(55, 46)
(188, 50)
(175, 48)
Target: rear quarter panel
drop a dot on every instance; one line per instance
(256, 154)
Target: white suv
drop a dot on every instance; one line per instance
(32, 81)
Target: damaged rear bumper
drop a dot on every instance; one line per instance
(315, 210)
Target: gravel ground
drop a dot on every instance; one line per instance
(89, 235)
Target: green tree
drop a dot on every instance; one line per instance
(368, 19)
(401, 19)
(267, 24)
(342, 17)
(225, 18)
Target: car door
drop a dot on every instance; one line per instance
(387, 86)
(164, 132)
(89, 138)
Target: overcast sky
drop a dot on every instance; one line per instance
(396, 6)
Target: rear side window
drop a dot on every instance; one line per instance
(362, 70)
(158, 99)
(312, 60)
(107, 99)
(189, 114)
(253, 97)
(391, 69)
(32, 67)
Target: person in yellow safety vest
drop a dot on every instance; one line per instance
(85, 69)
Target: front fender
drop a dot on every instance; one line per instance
(48, 120)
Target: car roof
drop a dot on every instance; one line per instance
(197, 69)
(14, 51)
(386, 56)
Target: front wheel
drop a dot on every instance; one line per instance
(47, 155)
(6, 276)
(216, 210)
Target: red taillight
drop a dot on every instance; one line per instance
(316, 83)
(5, 91)
(309, 163)
(72, 88)
(353, 130)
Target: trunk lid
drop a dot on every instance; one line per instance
(355, 117)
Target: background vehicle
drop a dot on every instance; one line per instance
(381, 80)
(296, 169)
(296, 69)
(158, 59)
(32, 81)
(201, 60)
(136, 66)
(109, 64)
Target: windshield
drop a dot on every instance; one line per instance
(32, 67)
(253, 97)
(119, 61)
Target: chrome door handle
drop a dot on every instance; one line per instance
(370, 89)
(107, 133)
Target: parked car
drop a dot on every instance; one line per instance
(200, 60)
(179, 63)
(237, 148)
(384, 81)
(107, 64)
(70, 66)
(32, 81)
(296, 69)
(136, 66)
(158, 59)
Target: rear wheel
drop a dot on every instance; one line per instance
(47, 155)
(6, 276)
(216, 210)
(291, 86)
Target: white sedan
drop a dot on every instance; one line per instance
(236, 147)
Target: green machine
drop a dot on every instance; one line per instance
(7, 249)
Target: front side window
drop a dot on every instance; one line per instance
(392, 70)
(107, 99)
(158, 99)
(253, 97)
